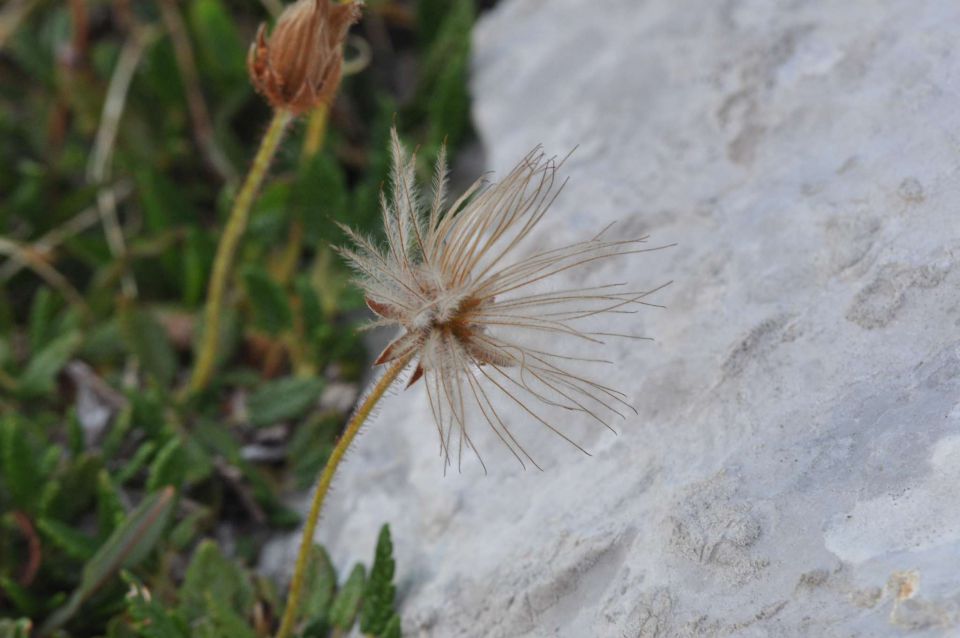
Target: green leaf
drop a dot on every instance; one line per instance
(132, 541)
(378, 598)
(211, 577)
(448, 109)
(430, 15)
(128, 545)
(149, 617)
(452, 39)
(110, 512)
(320, 198)
(73, 543)
(44, 367)
(184, 532)
(75, 436)
(222, 622)
(366, 194)
(168, 466)
(103, 343)
(218, 440)
(221, 51)
(139, 459)
(443, 94)
(270, 215)
(345, 606)
(216, 596)
(117, 433)
(392, 630)
(197, 259)
(78, 488)
(162, 200)
(198, 463)
(159, 78)
(149, 412)
(21, 474)
(283, 399)
(165, 205)
(311, 312)
(50, 494)
(5, 353)
(147, 340)
(311, 446)
(25, 601)
(271, 308)
(41, 319)
(320, 585)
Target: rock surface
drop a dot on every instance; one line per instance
(794, 469)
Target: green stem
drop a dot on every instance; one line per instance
(227, 250)
(323, 486)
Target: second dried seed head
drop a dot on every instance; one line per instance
(298, 66)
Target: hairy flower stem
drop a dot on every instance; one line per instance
(227, 250)
(323, 486)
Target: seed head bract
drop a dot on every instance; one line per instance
(471, 306)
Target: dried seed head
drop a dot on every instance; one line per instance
(474, 316)
(298, 67)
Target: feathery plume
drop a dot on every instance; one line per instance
(467, 307)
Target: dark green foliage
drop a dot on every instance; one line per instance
(42, 369)
(126, 547)
(319, 588)
(310, 447)
(392, 630)
(147, 341)
(110, 512)
(346, 604)
(430, 16)
(214, 587)
(149, 618)
(69, 540)
(443, 95)
(378, 598)
(283, 399)
(112, 483)
(168, 466)
(21, 474)
(320, 197)
(221, 49)
(271, 310)
(449, 112)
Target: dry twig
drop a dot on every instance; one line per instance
(27, 257)
(12, 15)
(98, 166)
(43, 246)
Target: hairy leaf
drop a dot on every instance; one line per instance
(283, 399)
(380, 592)
(345, 606)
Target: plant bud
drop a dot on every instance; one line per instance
(298, 67)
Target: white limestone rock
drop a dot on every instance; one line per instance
(793, 470)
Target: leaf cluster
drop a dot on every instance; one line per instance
(125, 510)
(220, 599)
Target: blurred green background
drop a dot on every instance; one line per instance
(125, 127)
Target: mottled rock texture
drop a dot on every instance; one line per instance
(794, 469)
